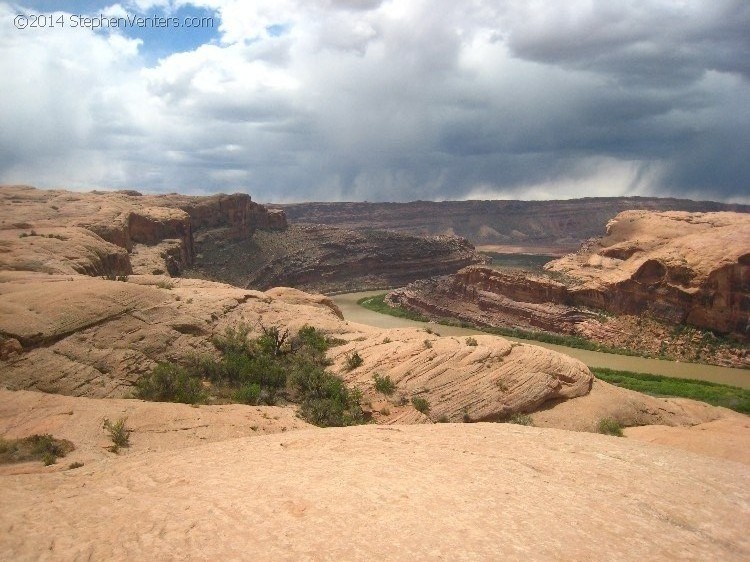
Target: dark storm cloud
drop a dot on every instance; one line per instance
(399, 100)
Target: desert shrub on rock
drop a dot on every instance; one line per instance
(384, 384)
(273, 366)
(421, 404)
(609, 426)
(170, 383)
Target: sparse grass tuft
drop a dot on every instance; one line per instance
(74, 465)
(428, 344)
(609, 426)
(119, 434)
(471, 342)
(165, 285)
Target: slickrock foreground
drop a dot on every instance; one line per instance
(452, 491)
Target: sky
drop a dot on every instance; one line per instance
(370, 100)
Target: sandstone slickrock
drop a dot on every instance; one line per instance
(652, 271)
(226, 238)
(92, 337)
(100, 228)
(679, 267)
(152, 426)
(518, 226)
(476, 491)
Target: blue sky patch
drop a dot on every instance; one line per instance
(197, 26)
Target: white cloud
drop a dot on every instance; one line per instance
(345, 99)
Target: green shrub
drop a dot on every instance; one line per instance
(471, 341)
(118, 433)
(41, 447)
(272, 340)
(247, 394)
(609, 426)
(233, 340)
(353, 360)
(421, 404)
(313, 339)
(325, 399)
(521, 419)
(170, 383)
(384, 385)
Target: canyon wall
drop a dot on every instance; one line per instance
(555, 227)
(327, 259)
(153, 232)
(668, 270)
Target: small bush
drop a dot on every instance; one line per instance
(119, 434)
(386, 340)
(43, 448)
(384, 385)
(312, 338)
(521, 419)
(74, 465)
(609, 426)
(233, 340)
(471, 341)
(353, 360)
(248, 394)
(326, 401)
(428, 344)
(170, 383)
(386, 411)
(421, 404)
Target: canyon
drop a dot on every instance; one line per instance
(540, 227)
(657, 282)
(227, 238)
(97, 289)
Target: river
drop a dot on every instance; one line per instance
(737, 377)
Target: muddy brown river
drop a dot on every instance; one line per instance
(737, 377)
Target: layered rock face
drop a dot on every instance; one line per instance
(691, 268)
(91, 337)
(326, 259)
(672, 268)
(102, 229)
(554, 227)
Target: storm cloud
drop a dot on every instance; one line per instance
(295, 100)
